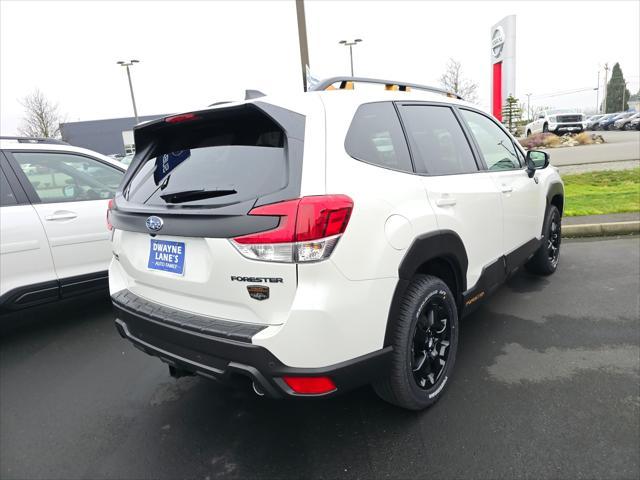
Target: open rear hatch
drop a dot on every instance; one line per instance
(192, 183)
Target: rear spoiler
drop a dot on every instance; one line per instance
(147, 135)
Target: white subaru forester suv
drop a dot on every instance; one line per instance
(326, 240)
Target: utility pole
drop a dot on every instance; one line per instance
(598, 93)
(302, 40)
(133, 98)
(528, 106)
(624, 89)
(350, 45)
(606, 75)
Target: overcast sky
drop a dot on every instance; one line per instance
(195, 53)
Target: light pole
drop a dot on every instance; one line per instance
(528, 105)
(302, 39)
(350, 45)
(598, 93)
(606, 76)
(133, 99)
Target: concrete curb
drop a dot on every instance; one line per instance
(601, 229)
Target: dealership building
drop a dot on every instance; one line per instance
(113, 136)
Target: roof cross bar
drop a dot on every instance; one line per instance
(347, 83)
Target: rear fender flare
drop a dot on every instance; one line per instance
(443, 244)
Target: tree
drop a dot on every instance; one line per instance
(617, 93)
(453, 81)
(42, 117)
(511, 113)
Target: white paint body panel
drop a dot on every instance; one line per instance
(25, 258)
(522, 201)
(470, 206)
(78, 236)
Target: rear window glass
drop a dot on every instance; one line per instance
(212, 162)
(375, 136)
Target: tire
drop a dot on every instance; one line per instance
(545, 128)
(427, 301)
(545, 260)
(528, 133)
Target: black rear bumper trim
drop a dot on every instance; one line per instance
(242, 332)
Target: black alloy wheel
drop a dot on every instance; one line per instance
(553, 241)
(431, 341)
(545, 260)
(424, 338)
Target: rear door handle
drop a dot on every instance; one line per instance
(446, 202)
(61, 215)
(506, 189)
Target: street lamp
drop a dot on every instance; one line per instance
(350, 45)
(133, 99)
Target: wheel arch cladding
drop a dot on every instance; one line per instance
(441, 254)
(555, 196)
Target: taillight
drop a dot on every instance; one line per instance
(109, 208)
(310, 385)
(308, 231)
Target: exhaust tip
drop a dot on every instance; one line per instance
(257, 389)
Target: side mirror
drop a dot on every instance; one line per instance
(536, 160)
(69, 191)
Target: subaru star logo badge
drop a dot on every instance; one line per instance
(154, 223)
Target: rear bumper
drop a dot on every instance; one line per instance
(224, 350)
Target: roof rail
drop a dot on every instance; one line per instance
(51, 141)
(347, 83)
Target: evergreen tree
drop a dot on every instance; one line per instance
(511, 113)
(616, 88)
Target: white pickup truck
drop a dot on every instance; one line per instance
(557, 121)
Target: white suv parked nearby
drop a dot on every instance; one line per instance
(53, 237)
(325, 240)
(558, 122)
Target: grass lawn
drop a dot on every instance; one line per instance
(597, 193)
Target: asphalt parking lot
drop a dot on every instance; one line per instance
(546, 386)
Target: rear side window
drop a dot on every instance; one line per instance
(375, 136)
(437, 141)
(219, 161)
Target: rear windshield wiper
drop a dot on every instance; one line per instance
(191, 195)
